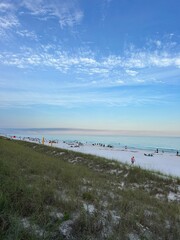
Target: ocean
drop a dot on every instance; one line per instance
(162, 143)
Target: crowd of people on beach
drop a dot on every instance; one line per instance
(30, 139)
(102, 145)
(79, 144)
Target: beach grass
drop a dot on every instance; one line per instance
(52, 193)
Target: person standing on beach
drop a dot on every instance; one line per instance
(132, 160)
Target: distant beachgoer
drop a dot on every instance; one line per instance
(132, 160)
(177, 154)
(157, 150)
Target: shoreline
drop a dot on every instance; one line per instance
(120, 143)
(164, 162)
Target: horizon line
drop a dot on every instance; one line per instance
(100, 131)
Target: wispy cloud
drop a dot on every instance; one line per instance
(8, 21)
(142, 59)
(125, 68)
(4, 6)
(27, 34)
(67, 12)
(76, 98)
(105, 6)
(8, 18)
(131, 72)
(90, 73)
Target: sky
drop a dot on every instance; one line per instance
(90, 64)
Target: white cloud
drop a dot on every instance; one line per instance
(120, 82)
(177, 62)
(34, 7)
(8, 21)
(131, 72)
(97, 70)
(112, 61)
(139, 80)
(4, 6)
(58, 59)
(158, 43)
(67, 12)
(106, 71)
(70, 19)
(142, 59)
(27, 34)
(88, 61)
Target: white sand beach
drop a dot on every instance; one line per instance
(164, 162)
(167, 163)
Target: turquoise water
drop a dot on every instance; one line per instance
(170, 144)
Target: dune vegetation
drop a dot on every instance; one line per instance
(52, 193)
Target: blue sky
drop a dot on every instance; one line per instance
(101, 64)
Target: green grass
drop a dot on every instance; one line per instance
(45, 190)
